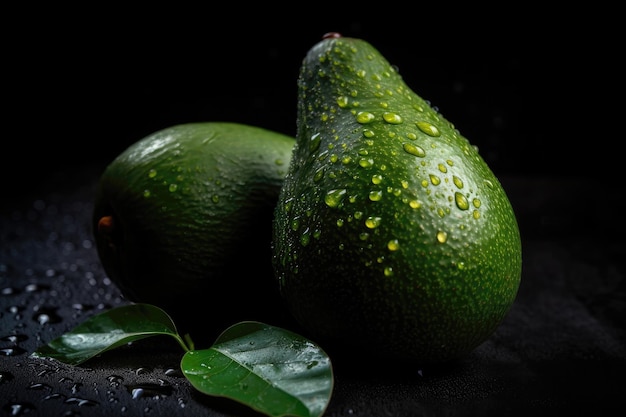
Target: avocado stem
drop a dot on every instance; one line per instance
(106, 228)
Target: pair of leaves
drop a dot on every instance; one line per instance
(271, 370)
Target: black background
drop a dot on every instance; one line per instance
(532, 89)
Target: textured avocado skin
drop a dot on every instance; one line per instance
(192, 206)
(392, 236)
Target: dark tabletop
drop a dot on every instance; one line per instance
(533, 108)
(561, 347)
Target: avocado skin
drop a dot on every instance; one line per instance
(192, 207)
(391, 239)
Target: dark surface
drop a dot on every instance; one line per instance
(533, 99)
(561, 348)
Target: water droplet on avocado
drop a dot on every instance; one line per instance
(318, 175)
(435, 180)
(442, 237)
(429, 129)
(457, 181)
(372, 222)
(393, 245)
(152, 173)
(314, 142)
(461, 201)
(377, 179)
(392, 118)
(364, 117)
(334, 198)
(414, 150)
(368, 133)
(172, 187)
(375, 195)
(305, 237)
(342, 101)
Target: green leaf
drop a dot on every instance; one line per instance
(271, 370)
(108, 330)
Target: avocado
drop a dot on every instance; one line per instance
(391, 236)
(182, 220)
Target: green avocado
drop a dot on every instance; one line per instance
(391, 237)
(182, 220)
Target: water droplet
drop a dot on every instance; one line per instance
(150, 390)
(366, 162)
(461, 201)
(12, 351)
(388, 271)
(442, 237)
(442, 168)
(368, 133)
(377, 179)
(489, 183)
(415, 204)
(375, 195)
(152, 173)
(364, 236)
(146, 193)
(461, 266)
(173, 187)
(364, 117)
(81, 402)
(372, 222)
(305, 238)
(44, 315)
(215, 198)
(411, 136)
(414, 150)
(476, 202)
(314, 142)
(429, 129)
(392, 118)
(18, 409)
(334, 198)
(476, 214)
(435, 180)
(393, 245)
(457, 181)
(318, 175)
(342, 101)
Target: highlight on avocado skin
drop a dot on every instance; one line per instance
(390, 232)
(182, 220)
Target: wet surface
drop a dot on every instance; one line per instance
(561, 348)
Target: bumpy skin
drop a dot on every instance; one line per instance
(192, 207)
(391, 236)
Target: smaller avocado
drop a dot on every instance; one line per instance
(182, 220)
